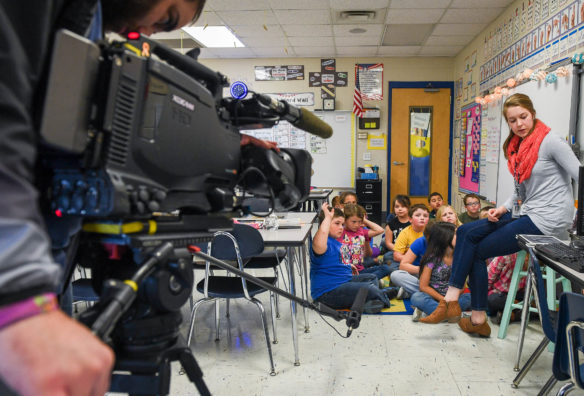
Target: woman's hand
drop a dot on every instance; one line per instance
(267, 144)
(495, 213)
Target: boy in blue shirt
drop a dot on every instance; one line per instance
(332, 282)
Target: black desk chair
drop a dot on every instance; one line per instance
(569, 344)
(547, 318)
(242, 243)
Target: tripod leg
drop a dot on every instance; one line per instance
(194, 372)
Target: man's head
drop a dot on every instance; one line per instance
(149, 16)
(435, 200)
(472, 204)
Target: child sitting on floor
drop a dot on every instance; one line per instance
(396, 221)
(419, 218)
(435, 269)
(355, 240)
(332, 282)
(500, 271)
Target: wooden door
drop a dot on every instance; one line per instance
(419, 165)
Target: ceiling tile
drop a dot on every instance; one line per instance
(297, 17)
(358, 5)
(234, 5)
(371, 30)
(398, 50)
(449, 40)
(414, 16)
(314, 51)
(362, 50)
(401, 35)
(233, 52)
(209, 18)
(274, 52)
(267, 41)
(458, 29)
(257, 30)
(247, 17)
(308, 30)
(433, 50)
(310, 41)
(419, 4)
(474, 15)
(359, 40)
(299, 4)
(480, 3)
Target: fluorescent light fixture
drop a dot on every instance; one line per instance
(213, 36)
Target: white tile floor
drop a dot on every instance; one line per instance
(386, 355)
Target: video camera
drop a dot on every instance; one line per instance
(140, 143)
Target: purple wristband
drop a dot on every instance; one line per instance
(23, 309)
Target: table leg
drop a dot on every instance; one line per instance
(304, 269)
(290, 265)
(524, 319)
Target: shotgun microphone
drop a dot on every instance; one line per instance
(354, 318)
(299, 117)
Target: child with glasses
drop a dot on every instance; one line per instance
(472, 204)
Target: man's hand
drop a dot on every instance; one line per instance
(52, 354)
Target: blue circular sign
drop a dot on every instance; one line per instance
(238, 90)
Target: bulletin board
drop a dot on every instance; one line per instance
(470, 149)
(333, 159)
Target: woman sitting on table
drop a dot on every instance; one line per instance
(542, 165)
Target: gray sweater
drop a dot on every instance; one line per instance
(549, 202)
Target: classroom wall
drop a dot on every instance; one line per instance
(395, 69)
(486, 44)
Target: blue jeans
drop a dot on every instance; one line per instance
(381, 271)
(426, 303)
(409, 282)
(393, 265)
(479, 240)
(343, 296)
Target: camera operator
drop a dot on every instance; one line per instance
(42, 350)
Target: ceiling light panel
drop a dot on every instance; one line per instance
(265, 41)
(234, 5)
(247, 17)
(406, 35)
(298, 17)
(471, 15)
(419, 4)
(308, 30)
(213, 36)
(414, 16)
(371, 30)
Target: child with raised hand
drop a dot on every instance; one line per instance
(435, 269)
(355, 240)
(395, 223)
(331, 281)
(435, 200)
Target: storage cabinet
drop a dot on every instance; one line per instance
(369, 196)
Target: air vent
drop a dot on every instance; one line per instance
(357, 16)
(125, 103)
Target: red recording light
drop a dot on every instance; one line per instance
(58, 213)
(133, 36)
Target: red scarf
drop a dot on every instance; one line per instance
(522, 155)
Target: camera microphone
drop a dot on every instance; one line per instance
(354, 318)
(299, 117)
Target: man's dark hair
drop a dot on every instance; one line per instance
(433, 195)
(118, 14)
(338, 213)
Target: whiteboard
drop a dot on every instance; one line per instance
(333, 159)
(552, 103)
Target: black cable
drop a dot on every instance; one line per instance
(333, 327)
(265, 179)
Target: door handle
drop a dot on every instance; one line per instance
(398, 163)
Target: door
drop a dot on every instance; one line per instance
(420, 143)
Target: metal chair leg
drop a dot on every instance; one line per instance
(266, 333)
(193, 314)
(524, 320)
(542, 345)
(272, 311)
(226, 307)
(216, 320)
(551, 382)
(564, 390)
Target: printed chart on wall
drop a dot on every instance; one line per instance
(470, 150)
(333, 158)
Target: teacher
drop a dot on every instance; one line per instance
(542, 165)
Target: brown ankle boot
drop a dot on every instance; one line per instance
(484, 330)
(449, 311)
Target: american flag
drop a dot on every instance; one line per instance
(357, 99)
